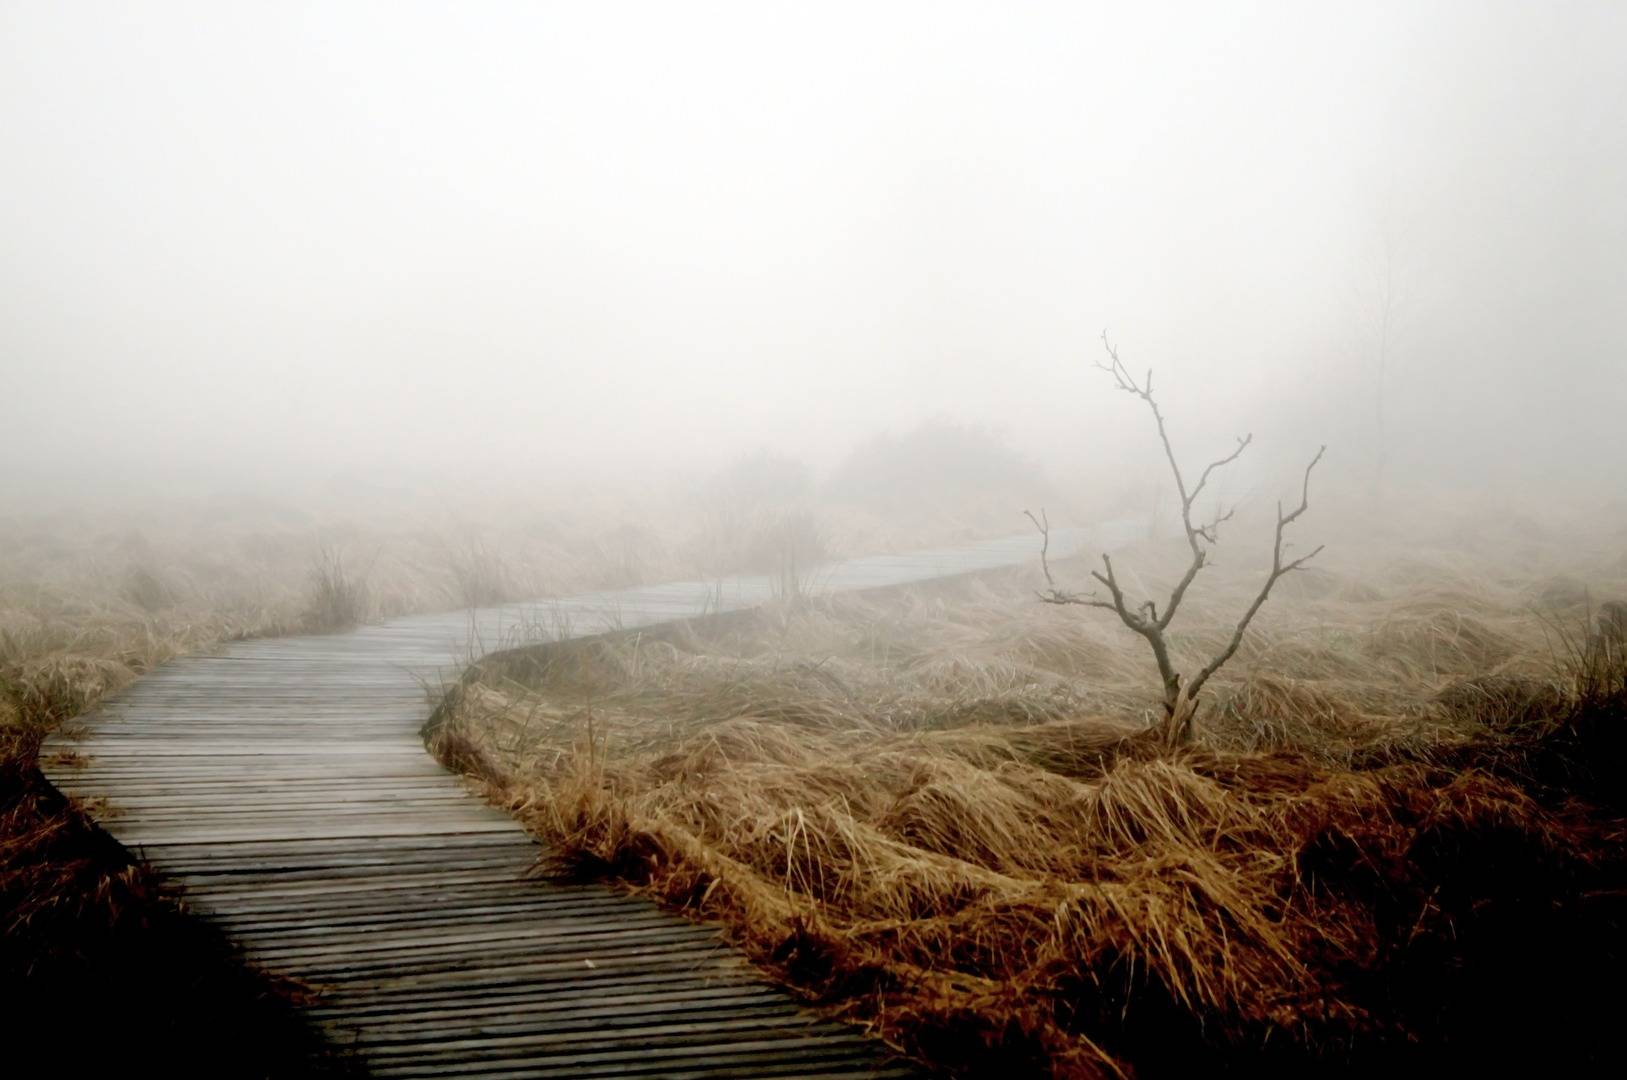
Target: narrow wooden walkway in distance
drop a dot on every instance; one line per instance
(282, 783)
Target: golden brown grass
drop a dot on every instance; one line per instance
(1397, 837)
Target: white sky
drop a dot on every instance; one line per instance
(253, 240)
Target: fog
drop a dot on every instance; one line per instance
(268, 247)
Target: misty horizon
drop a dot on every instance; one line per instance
(268, 247)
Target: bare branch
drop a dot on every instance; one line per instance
(1279, 569)
(1196, 535)
(1052, 594)
(1127, 383)
(1210, 531)
(1111, 580)
(1043, 524)
(1243, 442)
(1305, 490)
(1065, 598)
(1179, 592)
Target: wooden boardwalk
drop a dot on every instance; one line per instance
(283, 785)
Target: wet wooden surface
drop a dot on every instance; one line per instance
(283, 785)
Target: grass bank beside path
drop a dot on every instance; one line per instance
(1396, 842)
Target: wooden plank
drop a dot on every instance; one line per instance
(634, 965)
(585, 1001)
(415, 926)
(554, 937)
(705, 1053)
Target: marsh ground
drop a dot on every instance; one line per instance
(932, 809)
(1396, 839)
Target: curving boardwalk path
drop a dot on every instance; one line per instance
(283, 785)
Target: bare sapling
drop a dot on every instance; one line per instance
(1180, 695)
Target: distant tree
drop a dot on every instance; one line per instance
(1144, 617)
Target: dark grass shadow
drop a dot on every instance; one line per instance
(102, 971)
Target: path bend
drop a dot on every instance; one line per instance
(282, 784)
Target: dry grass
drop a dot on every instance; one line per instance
(1396, 841)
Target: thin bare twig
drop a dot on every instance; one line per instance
(1051, 594)
(1043, 524)
(1279, 570)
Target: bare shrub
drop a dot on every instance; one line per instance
(1180, 696)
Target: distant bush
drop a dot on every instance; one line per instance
(753, 517)
(627, 555)
(338, 597)
(147, 590)
(482, 575)
(938, 463)
(759, 478)
(788, 546)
